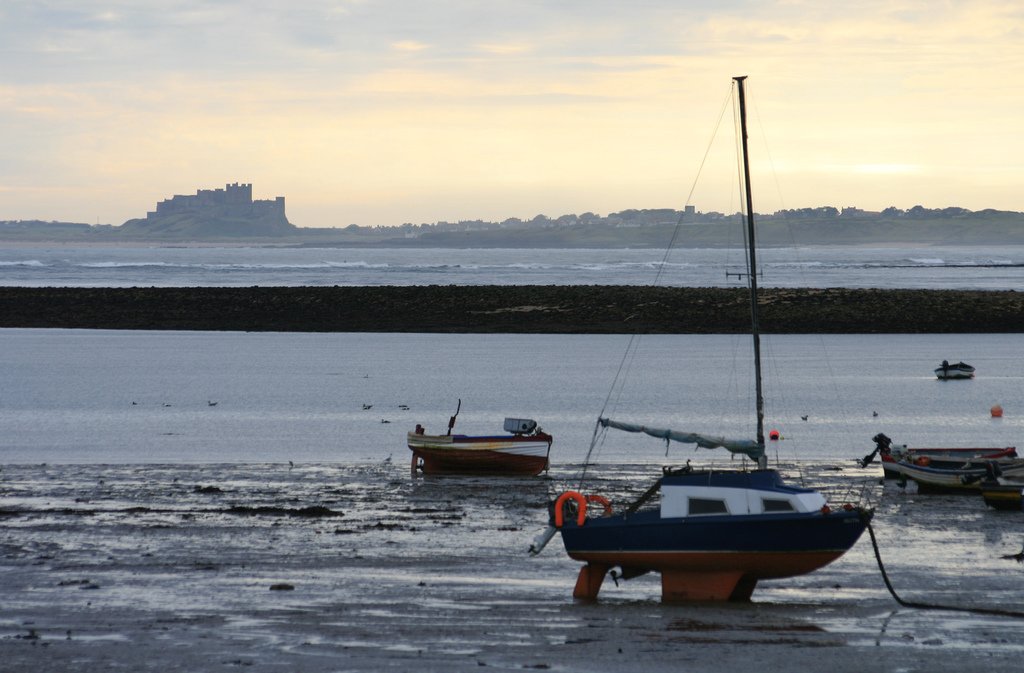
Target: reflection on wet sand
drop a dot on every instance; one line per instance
(157, 564)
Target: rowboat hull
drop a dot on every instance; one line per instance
(513, 455)
(951, 481)
(944, 458)
(960, 370)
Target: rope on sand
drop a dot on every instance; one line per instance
(931, 606)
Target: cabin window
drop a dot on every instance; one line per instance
(773, 505)
(707, 506)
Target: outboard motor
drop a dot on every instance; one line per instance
(882, 445)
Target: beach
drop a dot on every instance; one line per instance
(332, 567)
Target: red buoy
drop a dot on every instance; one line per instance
(773, 435)
(997, 411)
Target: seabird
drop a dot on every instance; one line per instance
(803, 418)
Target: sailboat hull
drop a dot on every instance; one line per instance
(712, 557)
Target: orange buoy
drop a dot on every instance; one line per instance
(773, 435)
(997, 411)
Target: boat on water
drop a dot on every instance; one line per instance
(946, 458)
(949, 372)
(712, 535)
(523, 450)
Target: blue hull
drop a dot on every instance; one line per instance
(719, 556)
(644, 537)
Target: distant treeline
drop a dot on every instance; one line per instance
(658, 227)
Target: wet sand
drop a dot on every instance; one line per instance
(362, 568)
(536, 309)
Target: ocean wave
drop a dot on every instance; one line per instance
(35, 263)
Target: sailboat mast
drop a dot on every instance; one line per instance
(752, 261)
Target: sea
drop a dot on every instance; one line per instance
(83, 396)
(196, 501)
(933, 267)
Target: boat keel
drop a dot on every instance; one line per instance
(680, 586)
(677, 586)
(589, 582)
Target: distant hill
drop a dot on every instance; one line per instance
(213, 214)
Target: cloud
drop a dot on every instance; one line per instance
(603, 104)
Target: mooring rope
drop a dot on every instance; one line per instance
(930, 606)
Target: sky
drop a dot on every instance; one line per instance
(382, 112)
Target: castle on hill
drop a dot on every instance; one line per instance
(229, 212)
(235, 200)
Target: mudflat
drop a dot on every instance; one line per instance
(360, 567)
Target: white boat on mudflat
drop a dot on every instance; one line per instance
(941, 458)
(966, 479)
(523, 451)
(959, 370)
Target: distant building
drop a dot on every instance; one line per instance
(213, 214)
(235, 200)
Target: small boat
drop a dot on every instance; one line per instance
(715, 533)
(522, 451)
(948, 372)
(966, 479)
(941, 458)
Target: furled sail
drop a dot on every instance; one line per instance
(747, 447)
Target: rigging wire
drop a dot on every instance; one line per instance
(628, 357)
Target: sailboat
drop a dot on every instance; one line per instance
(716, 533)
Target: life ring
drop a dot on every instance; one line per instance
(603, 501)
(581, 504)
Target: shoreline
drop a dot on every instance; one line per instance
(529, 309)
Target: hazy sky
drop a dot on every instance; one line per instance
(391, 111)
